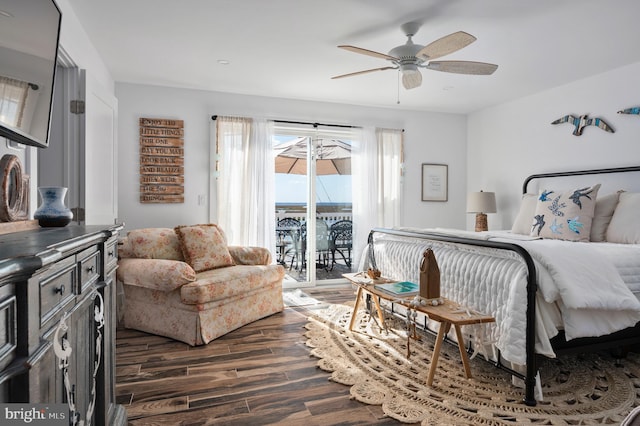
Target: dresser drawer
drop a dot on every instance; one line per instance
(89, 270)
(8, 341)
(56, 289)
(111, 254)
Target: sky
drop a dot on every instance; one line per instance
(330, 188)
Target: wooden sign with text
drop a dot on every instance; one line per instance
(161, 160)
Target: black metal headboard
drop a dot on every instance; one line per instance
(578, 173)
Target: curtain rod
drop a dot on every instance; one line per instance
(32, 86)
(344, 126)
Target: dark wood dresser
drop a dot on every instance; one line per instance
(58, 320)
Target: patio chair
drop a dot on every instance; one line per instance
(341, 241)
(322, 247)
(287, 234)
(322, 244)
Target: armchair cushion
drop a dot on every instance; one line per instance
(223, 283)
(156, 274)
(204, 247)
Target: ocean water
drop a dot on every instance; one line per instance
(320, 207)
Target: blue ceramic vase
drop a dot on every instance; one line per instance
(53, 212)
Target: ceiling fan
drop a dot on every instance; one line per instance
(410, 57)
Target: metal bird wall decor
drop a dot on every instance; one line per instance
(581, 122)
(634, 110)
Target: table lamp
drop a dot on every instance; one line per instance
(481, 203)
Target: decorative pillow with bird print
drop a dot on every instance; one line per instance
(565, 215)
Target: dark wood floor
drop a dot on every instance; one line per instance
(260, 374)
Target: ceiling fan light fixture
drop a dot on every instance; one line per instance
(411, 76)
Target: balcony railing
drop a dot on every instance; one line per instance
(292, 242)
(329, 212)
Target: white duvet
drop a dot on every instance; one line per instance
(586, 285)
(584, 288)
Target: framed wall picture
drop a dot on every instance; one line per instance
(435, 182)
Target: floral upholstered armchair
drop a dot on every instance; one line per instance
(187, 284)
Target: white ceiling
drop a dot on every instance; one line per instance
(287, 48)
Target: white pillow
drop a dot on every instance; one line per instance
(524, 219)
(565, 215)
(625, 226)
(605, 206)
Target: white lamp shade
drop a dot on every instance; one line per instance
(481, 202)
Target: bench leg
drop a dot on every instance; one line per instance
(355, 308)
(444, 329)
(463, 352)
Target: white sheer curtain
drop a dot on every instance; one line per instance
(390, 163)
(246, 181)
(376, 164)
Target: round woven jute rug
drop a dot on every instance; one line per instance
(577, 390)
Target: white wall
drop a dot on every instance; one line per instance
(78, 46)
(511, 141)
(429, 137)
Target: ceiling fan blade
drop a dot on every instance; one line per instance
(462, 67)
(367, 52)
(363, 72)
(445, 45)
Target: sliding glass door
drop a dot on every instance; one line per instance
(313, 203)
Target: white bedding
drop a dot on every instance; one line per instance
(586, 284)
(584, 288)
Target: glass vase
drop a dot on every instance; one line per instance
(53, 212)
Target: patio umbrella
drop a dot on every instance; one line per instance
(333, 157)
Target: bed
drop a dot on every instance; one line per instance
(556, 282)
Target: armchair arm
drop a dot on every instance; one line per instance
(250, 255)
(157, 274)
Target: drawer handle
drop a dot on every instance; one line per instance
(90, 269)
(60, 289)
(111, 253)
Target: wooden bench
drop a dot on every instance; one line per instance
(447, 314)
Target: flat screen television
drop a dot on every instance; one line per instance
(29, 39)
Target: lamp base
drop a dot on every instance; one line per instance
(481, 222)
